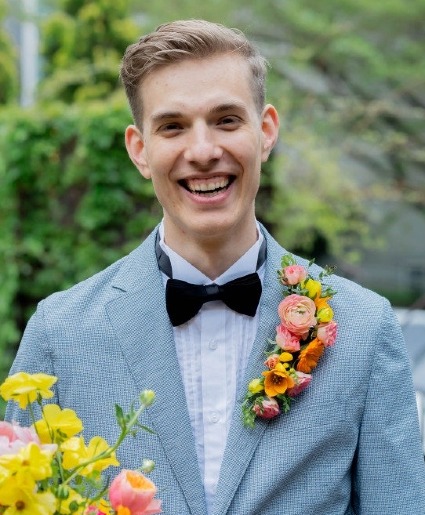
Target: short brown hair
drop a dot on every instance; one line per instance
(182, 40)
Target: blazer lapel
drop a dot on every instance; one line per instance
(242, 441)
(148, 345)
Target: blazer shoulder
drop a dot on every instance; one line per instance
(351, 300)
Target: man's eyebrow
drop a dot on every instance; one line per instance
(229, 106)
(217, 109)
(166, 115)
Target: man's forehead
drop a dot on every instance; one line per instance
(227, 64)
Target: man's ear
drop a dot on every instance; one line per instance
(270, 129)
(135, 145)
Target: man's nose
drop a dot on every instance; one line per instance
(202, 146)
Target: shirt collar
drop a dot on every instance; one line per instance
(184, 271)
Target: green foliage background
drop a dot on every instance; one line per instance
(347, 76)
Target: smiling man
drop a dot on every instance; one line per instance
(161, 317)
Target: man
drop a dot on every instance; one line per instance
(350, 443)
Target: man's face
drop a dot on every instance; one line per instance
(202, 146)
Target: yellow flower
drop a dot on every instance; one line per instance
(313, 288)
(278, 380)
(23, 388)
(57, 424)
(63, 507)
(256, 385)
(30, 463)
(20, 498)
(285, 356)
(325, 314)
(75, 453)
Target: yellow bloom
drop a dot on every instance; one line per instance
(63, 504)
(285, 356)
(30, 463)
(313, 287)
(97, 446)
(325, 314)
(21, 498)
(57, 423)
(278, 380)
(256, 386)
(75, 452)
(23, 388)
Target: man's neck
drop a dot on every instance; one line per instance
(213, 255)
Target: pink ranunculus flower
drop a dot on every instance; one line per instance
(134, 491)
(297, 314)
(303, 380)
(267, 408)
(294, 274)
(272, 361)
(13, 437)
(327, 333)
(286, 340)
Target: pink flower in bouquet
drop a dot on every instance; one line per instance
(294, 274)
(303, 380)
(286, 340)
(297, 314)
(327, 333)
(13, 437)
(272, 361)
(266, 408)
(134, 491)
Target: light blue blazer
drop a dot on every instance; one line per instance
(350, 443)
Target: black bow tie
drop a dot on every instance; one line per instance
(184, 300)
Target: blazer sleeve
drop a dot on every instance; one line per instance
(33, 356)
(389, 470)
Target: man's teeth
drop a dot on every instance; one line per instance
(198, 186)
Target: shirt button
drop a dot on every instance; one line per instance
(213, 345)
(214, 417)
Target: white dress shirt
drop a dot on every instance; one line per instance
(213, 350)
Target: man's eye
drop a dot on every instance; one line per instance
(230, 121)
(170, 127)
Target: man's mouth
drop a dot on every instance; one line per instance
(207, 187)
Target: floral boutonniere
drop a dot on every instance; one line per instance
(306, 328)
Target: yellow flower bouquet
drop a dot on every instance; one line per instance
(48, 469)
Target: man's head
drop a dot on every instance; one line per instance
(182, 40)
(202, 132)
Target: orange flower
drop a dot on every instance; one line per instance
(277, 380)
(310, 356)
(321, 302)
